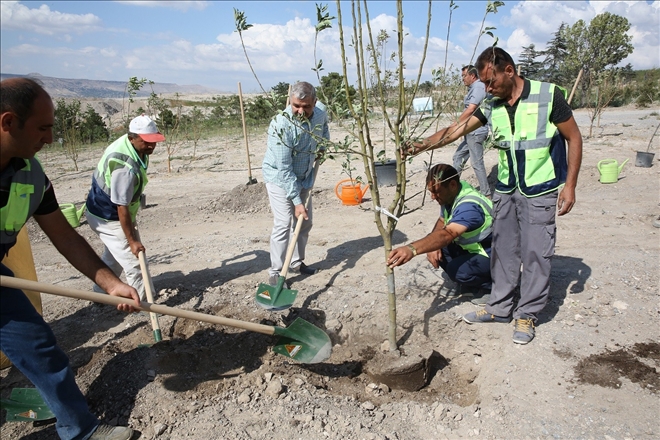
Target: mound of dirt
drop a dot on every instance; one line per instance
(241, 199)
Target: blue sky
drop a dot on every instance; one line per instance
(194, 42)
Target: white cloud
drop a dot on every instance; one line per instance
(536, 22)
(285, 52)
(540, 20)
(14, 15)
(178, 5)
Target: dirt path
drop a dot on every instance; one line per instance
(592, 371)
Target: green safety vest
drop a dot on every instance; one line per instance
(533, 158)
(25, 195)
(471, 240)
(120, 154)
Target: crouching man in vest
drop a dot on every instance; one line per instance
(27, 115)
(460, 240)
(113, 201)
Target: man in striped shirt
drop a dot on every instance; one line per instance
(295, 138)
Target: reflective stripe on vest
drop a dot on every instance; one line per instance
(533, 158)
(25, 195)
(471, 240)
(121, 154)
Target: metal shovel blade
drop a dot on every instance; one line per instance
(26, 405)
(303, 342)
(275, 297)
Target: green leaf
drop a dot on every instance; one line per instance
(241, 21)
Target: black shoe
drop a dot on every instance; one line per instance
(303, 269)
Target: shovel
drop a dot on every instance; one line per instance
(301, 341)
(149, 288)
(26, 405)
(277, 297)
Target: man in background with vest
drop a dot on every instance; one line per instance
(531, 123)
(460, 240)
(26, 125)
(472, 146)
(113, 202)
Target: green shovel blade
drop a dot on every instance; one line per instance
(303, 342)
(26, 405)
(277, 297)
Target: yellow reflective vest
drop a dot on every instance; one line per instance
(25, 194)
(471, 240)
(533, 157)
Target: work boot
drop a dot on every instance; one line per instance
(107, 432)
(524, 332)
(303, 269)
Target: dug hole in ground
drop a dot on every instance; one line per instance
(591, 371)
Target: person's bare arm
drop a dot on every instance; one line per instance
(571, 133)
(443, 137)
(467, 113)
(440, 237)
(81, 256)
(129, 230)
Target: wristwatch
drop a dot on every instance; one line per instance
(412, 248)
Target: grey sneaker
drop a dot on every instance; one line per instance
(455, 290)
(303, 269)
(523, 331)
(107, 432)
(482, 315)
(481, 300)
(272, 280)
(449, 289)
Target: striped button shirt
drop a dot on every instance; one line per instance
(292, 148)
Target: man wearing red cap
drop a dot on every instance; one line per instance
(113, 202)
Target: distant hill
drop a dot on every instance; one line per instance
(89, 88)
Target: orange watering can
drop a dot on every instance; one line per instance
(351, 192)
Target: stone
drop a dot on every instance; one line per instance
(620, 305)
(368, 406)
(274, 388)
(159, 428)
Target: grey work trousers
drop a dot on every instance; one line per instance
(473, 147)
(284, 223)
(523, 233)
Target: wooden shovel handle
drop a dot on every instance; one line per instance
(18, 283)
(292, 246)
(293, 240)
(148, 289)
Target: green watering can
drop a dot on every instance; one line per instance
(72, 215)
(609, 170)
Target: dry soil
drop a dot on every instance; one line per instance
(591, 373)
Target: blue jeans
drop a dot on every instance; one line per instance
(465, 268)
(30, 345)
